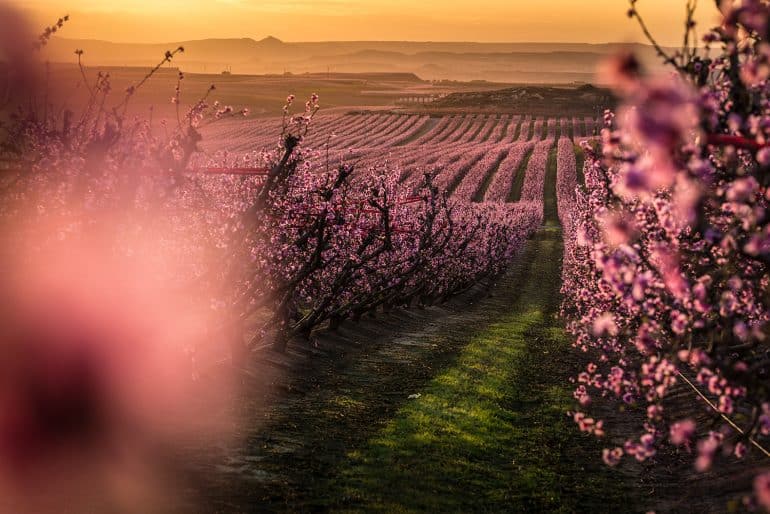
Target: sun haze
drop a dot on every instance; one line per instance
(137, 21)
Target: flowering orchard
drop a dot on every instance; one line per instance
(259, 233)
(666, 252)
(415, 214)
(256, 234)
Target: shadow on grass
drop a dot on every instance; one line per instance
(490, 432)
(487, 433)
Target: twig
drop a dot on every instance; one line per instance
(736, 141)
(132, 89)
(689, 24)
(723, 416)
(634, 13)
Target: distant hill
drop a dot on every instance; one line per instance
(584, 100)
(512, 62)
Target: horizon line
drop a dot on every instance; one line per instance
(250, 38)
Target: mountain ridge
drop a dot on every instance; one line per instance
(559, 62)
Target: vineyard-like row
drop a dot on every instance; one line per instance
(342, 214)
(218, 240)
(424, 207)
(139, 259)
(384, 130)
(474, 157)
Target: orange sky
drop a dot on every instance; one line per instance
(592, 21)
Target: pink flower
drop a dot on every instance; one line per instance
(618, 229)
(682, 432)
(762, 489)
(654, 411)
(725, 404)
(707, 447)
(763, 156)
(98, 368)
(612, 457)
(605, 325)
(764, 421)
(621, 72)
(742, 190)
(678, 322)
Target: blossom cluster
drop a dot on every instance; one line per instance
(502, 183)
(667, 246)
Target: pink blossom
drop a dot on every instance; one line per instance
(612, 457)
(682, 432)
(605, 325)
(762, 490)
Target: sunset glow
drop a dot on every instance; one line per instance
(599, 21)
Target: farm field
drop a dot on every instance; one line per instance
(474, 157)
(425, 402)
(341, 92)
(417, 402)
(363, 291)
(374, 436)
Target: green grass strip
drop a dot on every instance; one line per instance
(489, 433)
(550, 210)
(580, 157)
(518, 179)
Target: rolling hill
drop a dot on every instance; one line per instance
(502, 62)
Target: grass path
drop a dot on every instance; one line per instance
(489, 433)
(463, 414)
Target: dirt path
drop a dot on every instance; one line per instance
(460, 409)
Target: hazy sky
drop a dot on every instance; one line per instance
(593, 21)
